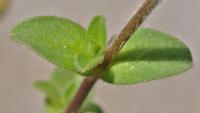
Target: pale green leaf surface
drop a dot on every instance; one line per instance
(60, 41)
(148, 55)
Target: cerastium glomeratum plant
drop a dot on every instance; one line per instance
(81, 55)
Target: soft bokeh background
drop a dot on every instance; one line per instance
(20, 67)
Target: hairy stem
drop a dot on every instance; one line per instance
(140, 15)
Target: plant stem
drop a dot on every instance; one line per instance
(143, 11)
(81, 94)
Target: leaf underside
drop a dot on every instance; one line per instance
(63, 42)
(148, 55)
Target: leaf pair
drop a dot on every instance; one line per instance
(148, 55)
(60, 90)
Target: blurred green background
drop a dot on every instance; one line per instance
(20, 67)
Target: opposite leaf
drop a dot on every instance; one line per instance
(59, 40)
(148, 55)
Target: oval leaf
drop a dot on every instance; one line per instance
(148, 55)
(59, 40)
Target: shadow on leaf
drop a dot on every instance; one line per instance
(154, 54)
(149, 54)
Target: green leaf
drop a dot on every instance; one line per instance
(96, 34)
(60, 41)
(148, 55)
(61, 87)
(66, 83)
(51, 92)
(90, 108)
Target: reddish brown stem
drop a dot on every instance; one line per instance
(117, 44)
(81, 94)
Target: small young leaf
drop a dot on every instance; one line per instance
(51, 92)
(60, 41)
(61, 88)
(90, 108)
(148, 55)
(66, 83)
(96, 34)
(62, 78)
